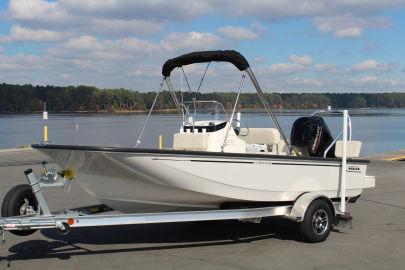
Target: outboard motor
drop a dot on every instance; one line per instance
(312, 134)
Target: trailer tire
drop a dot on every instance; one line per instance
(13, 204)
(317, 222)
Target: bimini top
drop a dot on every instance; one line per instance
(230, 56)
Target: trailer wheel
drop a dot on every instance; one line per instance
(317, 222)
(19, 201)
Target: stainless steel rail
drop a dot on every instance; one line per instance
(267, 107)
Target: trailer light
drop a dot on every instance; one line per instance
(70, 221)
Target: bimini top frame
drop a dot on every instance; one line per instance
(230, 56)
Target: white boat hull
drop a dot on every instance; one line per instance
(149, 180)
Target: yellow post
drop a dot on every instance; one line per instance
(160, 141)
(45, 133)
(45, 118)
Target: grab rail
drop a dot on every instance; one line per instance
(346, 123)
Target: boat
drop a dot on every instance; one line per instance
(216, 161)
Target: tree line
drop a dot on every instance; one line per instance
(28, 98)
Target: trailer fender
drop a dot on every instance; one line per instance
(301, 204)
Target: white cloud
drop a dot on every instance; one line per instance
(295, 64)
(342, 18)
(57, 16)
(19, 62)
(258, 27)
(242, 33)
(22, 34)
(306, 82)
(281, 69)
(349, 32)
(259, 60)
(124, 62)
(86, 43)
(237, 32)
(174, 10)
(367, 79)
(140, 16)
(31, 9)
(121, 28)
(274, 10)
(263, 10)
(328, 68)
(191, 41)
(349, 26)
(372, 65)
(374, 83)
(304, 60)
(36, 10)
(121, 63)
(89, 47)
(109, 43)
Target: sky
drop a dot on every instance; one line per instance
(291, 45)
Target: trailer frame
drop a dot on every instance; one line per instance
(90, 216)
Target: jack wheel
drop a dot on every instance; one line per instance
(19, 201)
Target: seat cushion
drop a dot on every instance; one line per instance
(190, 141)
(269, 136)
(352, 149)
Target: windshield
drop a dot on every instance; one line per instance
(204, 111)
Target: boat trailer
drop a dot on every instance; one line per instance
(63, 221)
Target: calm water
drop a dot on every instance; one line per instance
(379, 130)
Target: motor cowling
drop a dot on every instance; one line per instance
(312, 133)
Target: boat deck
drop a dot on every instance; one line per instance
(377, 240)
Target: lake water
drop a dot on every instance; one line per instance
(379, 130)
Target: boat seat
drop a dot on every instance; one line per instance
(352, 149)
(190, 141)
(269, 136)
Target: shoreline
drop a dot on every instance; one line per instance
(353, 111)
(91, 112)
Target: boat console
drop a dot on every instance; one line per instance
(205, 126)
